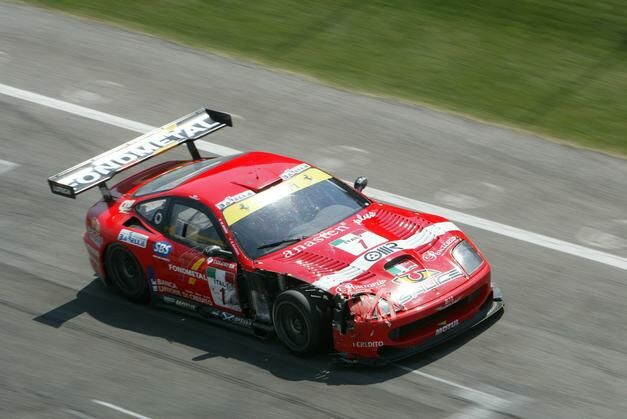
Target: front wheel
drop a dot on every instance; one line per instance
(125, 274)
(301, 321)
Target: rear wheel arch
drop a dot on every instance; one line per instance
(125, 274)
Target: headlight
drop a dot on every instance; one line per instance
(384, 306)
(467, 257)
(368, 306)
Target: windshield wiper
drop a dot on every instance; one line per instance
(275, 244)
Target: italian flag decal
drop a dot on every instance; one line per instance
(222, 287)
(358, 242)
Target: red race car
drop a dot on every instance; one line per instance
(273, 245)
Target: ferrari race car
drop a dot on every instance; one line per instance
(276, 246)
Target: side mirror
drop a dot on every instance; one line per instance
(213, 250)
(360, 183)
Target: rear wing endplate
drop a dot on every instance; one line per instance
(97, 170)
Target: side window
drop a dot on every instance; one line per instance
(153, 212)
(191, 224)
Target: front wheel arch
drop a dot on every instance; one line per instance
(302, 320)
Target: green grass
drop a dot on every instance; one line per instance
(555, 67)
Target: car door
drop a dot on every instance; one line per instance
(190, 228)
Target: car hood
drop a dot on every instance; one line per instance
(399, 255)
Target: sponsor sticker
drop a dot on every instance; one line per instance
(131, 237)
(220, 263)
(126, 206)
(199, 298)
(231, 318)
(446, 327)
(315, 239)
(372, 344)
(291, 172)
(192, 273)
(162, 249)
(363, 217)
(382, 251)
(230, 200)
(222, 288)
(350, 288)
(128, 154)
(416, 276)
(431, 255)
(180, 303)
(62, 190)
(358, 242)
(449, 301)
(421, 281)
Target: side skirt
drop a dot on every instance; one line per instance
(213, 315)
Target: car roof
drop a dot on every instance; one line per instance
(253, 171)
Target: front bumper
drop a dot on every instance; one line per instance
(386, 355)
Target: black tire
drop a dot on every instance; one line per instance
(302, 320)
(125, 275)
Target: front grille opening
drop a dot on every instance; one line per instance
(466, 304)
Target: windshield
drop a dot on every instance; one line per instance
(295, 216)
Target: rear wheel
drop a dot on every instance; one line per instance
(125, 274)
(301, 321)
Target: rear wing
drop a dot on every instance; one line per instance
(96, 171)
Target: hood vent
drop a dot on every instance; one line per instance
(398, 225)
(316, 264)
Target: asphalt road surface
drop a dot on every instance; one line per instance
(70, 348)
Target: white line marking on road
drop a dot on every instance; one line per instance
(6, 166)
(120, 409)
(216, 148)
(470, 220)
(447, 382)
(504, 230)
(78, 414)
(75, 109)
(484, 405)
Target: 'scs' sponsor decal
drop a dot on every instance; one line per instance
(162, 249)
(131, 237)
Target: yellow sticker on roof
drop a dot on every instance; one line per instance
(244, 208)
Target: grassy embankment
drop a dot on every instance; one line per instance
(556, 67)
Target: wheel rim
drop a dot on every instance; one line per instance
(125, 272)
(293, 325)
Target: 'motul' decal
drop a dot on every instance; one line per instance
(372, 256)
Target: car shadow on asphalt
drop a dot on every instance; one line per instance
(214, 341)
